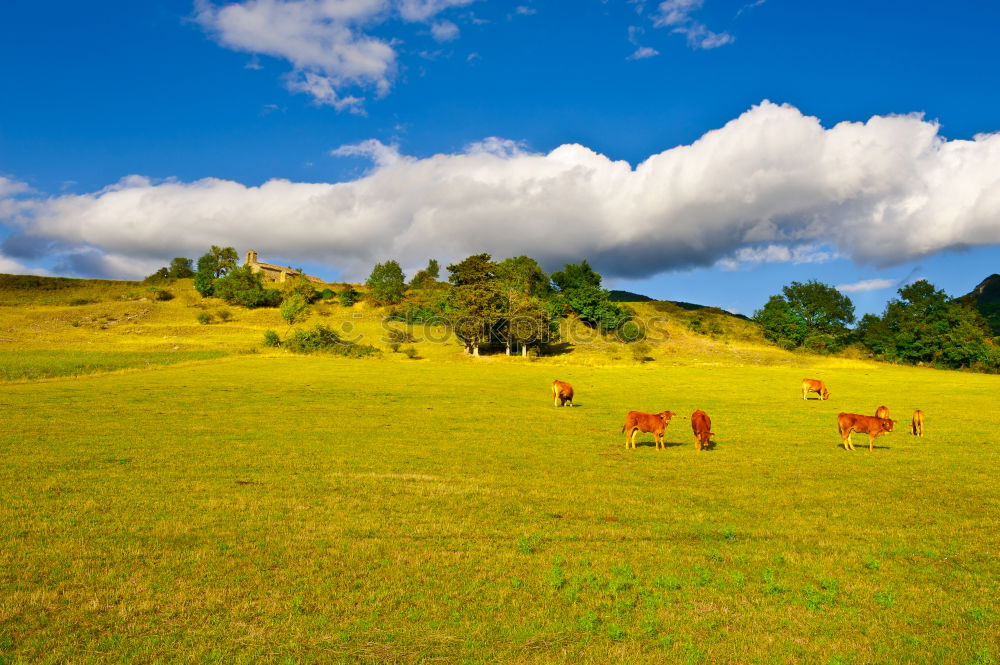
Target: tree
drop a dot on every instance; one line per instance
(387, 283)
(295, 309)
(924, 325)
(244, 287)
(215, 263)
(476, 302)
(472, 311)
(576, 276)
(180, 268)
(822, 308)
(475, 269)
(580, 292)
(523, 274)
(809, 314)
(427, 277)
(780, 324)
(348, 296)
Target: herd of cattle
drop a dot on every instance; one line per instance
(656, 423)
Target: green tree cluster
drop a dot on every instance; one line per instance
(179, 268)
(811, 315)
(579, 291)
(212, 265)
(924, 325)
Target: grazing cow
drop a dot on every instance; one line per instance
(637, 421)
(562, 392)
(814, 386)
(917, 427)
(882, 412)
(870, 425)
(701, 425)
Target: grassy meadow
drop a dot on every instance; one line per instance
(260, 507)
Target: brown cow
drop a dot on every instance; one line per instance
(637, 421)
(701, 425)
(917, 426)
(562, 392)
(870, 425)
(882, 412)
(814, 386)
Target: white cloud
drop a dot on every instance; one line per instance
(676, 14)
(325, 40)
(867, 285)
(643, 52)
(444, 31)
(523, 10)
(380, 153)
(770, 185)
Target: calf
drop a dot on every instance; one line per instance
(701, 425)
(870, 425)
(562, 392)
(637, 421)
(917, 426)
(882, 412)
(814, 386)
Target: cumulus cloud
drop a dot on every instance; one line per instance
(771, 185)
(326, 41)
(676, 15)
(866, 285)
(444, 31)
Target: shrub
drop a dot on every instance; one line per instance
(410, 353)
(323, 339)
(271, 339)
(245, 287)
(397, 337)
(349, 296)
(327, 294)
(224, 314)
(81, 301)
(204, 318)
(641, 351)
(428, 314)
(161, 295)
(295, 309)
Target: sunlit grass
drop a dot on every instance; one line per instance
(36, 364)
(282, 509)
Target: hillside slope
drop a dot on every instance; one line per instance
(97, 317)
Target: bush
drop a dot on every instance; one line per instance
(224, 315)
(322, 339)
(410, 353)
(271, 339)
(641, 351)
(295, 309)
(246, 288)
(327, 294)
(349, 296)
(161, 295)
(204, 318)
(417, 314)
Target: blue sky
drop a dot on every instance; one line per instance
(709, 151)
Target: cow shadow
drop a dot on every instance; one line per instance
(652, 444)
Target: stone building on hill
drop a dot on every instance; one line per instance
(275, 273)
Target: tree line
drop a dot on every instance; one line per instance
(513, 303)
(921, 326)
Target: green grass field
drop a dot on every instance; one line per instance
(261, 507)
(316, 510)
